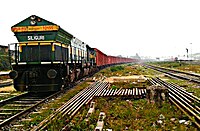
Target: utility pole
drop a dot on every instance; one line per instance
(187, 52)
(191, 51)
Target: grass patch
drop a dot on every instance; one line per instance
(116, 68)
(120, 114)
(185, 66)
(122, 70)
(131, 115)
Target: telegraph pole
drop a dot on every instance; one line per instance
(187, 52)
(191, 51)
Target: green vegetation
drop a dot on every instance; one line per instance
(131, 115)
(194, 90)
(170, 64)
(185, 66)
(116, 68)
(122, 70)
(4, 61)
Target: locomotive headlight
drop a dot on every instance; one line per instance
(13, 74)
(33, 17)
(33, 22)
(51, 73)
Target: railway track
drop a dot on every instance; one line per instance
(134, 92)
(7, 95)
(192, 77)
(5, 83)
(4, 73)
(71, 107)
(15, 107)
(186, 102)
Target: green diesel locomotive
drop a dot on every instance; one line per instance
(47, 58)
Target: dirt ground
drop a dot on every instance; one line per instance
(136, 78)
(7, 89)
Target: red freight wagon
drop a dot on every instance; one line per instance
(110, 59)
(101, 58)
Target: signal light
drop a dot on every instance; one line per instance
(39, 20)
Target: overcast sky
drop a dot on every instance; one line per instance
(116, 27)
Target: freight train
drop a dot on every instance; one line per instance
(47, 58)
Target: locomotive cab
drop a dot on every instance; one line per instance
(39, 67)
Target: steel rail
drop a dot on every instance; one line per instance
(42, 124)
(183, 90)
(172, 90)
(183, 100)
(179, 71)
(76, 108)
(74, 104)
(166, 71)
(86, 95)
(190, 100)
(6, 84)
(3, 102)
(4, 73)
(16, 116)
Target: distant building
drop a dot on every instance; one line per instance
(136, 56)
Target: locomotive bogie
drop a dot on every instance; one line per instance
(38, 78)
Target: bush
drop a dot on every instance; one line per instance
(116, 68)
(4, 61)
(114, 87)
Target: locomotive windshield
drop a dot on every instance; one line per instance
(38, 52)
(34, 53)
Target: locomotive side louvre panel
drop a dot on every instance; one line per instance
(79, 48)
(77, 55)
(69, 53)
(73, 54)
